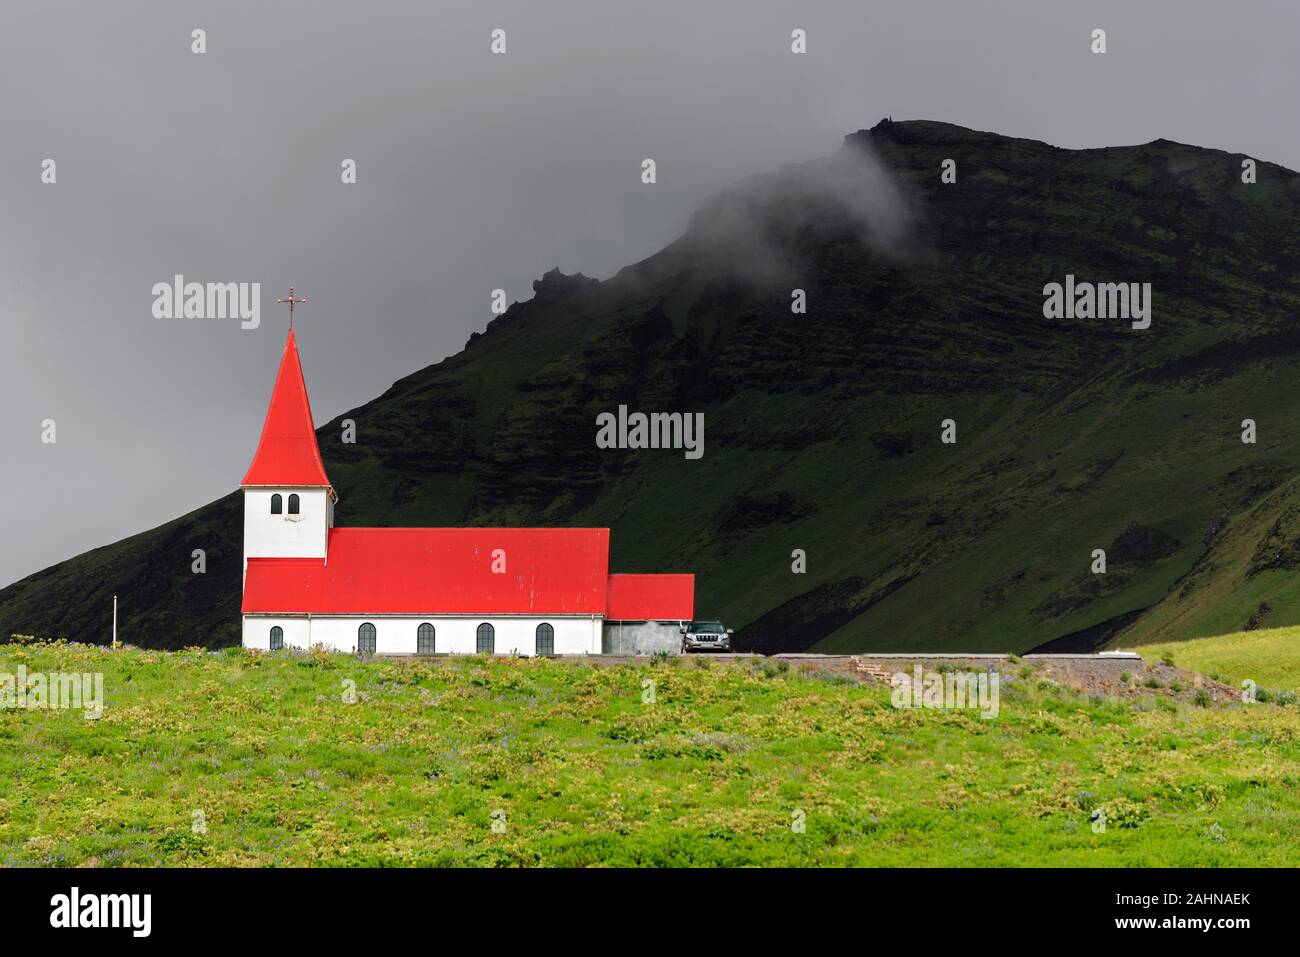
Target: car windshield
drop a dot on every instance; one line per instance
(711, 627)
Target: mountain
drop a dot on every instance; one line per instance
(925, 303)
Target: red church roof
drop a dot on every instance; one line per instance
(650, 598)
(438, 571)
(287, 453)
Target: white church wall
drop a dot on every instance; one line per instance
(286, 536)
(396, 635)
(257, 632)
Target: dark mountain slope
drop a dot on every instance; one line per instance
(822, 431)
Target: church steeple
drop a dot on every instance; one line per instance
(287, 454)
(288, 499)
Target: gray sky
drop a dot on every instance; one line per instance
(474, 172)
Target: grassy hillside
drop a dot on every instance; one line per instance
(1246, 576)
(823, 429)
(1269, 657)
(581, 769)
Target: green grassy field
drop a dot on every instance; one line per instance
(472, 761)
(1270, 657)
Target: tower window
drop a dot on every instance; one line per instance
(277, 638)
(424, 639)
(293, 504)
(366, 639)
(545, 639)
(487, 638)
(277, 504)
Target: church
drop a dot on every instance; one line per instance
(424, 591)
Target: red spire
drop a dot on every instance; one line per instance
(287, 453)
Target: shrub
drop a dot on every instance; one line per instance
(1126, 813)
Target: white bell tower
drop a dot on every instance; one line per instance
(287, 521)
(288, 498)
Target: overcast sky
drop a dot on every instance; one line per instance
(474, 172)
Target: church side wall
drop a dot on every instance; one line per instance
(257, 632)
(397, 635)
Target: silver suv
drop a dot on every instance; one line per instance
(705, 636)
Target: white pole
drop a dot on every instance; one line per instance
(114, 621)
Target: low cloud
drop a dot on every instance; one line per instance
(761, 228)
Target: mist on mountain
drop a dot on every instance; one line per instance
(758, 229)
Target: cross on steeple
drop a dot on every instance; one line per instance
(291, 301)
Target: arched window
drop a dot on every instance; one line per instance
(545, 639)
(424, 639)
(487, 637)
(366, 639)
(293, 504)
(277, 638)
(277, 504)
